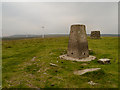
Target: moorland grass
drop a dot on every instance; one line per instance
(20, 71)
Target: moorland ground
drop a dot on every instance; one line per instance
(26, 64)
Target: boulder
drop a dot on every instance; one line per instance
(104, 61)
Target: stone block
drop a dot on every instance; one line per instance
(95, 35)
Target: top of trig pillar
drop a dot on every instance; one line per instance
(77, 25)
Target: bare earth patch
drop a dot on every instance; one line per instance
(90, 58)
(81, 72)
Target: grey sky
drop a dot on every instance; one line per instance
(29, 17)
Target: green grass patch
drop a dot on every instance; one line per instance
(20, 71)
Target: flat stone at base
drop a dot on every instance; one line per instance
(81, 72)
(90, 58)
(104, 61)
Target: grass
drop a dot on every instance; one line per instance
(20, 71)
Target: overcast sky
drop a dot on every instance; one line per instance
(29, 17)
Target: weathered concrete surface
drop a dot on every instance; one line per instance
(78, 44)
(66, 57)
(81, 72)
(95, 34)
(104, 61)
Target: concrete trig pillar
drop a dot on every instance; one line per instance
(78, 44)
(95, 34)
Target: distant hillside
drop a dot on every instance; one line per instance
(106, 34)
(14, 37)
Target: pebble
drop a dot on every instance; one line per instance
(52, 64)
(92, 83)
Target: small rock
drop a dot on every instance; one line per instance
(33, 59)
(92, 83)
(51, 64)
(104, 61)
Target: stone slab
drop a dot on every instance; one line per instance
(65, 57)
(81, 72)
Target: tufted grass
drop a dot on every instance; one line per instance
(20, 71)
